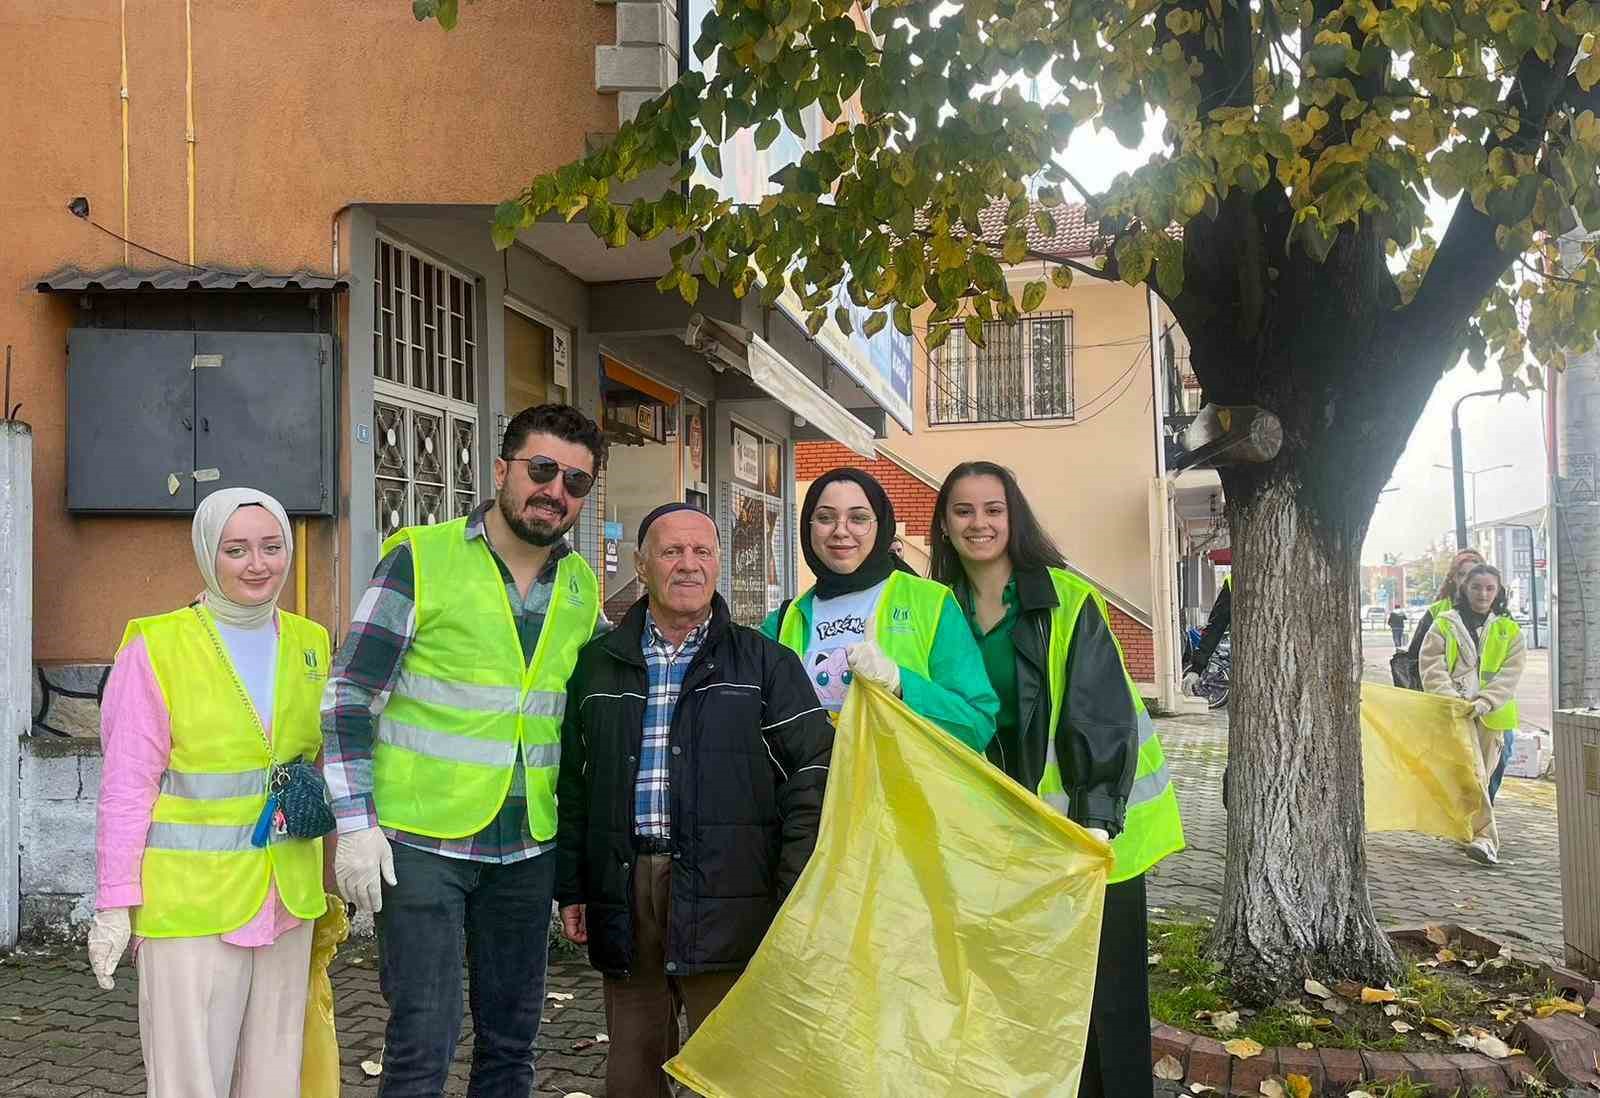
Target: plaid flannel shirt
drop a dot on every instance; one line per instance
(363, 674)
(665, 667)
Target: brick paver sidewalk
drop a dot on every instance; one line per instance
(62, 1037)
(1412, 878)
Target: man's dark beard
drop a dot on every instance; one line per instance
(534, 533)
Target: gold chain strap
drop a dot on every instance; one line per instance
(244, 695)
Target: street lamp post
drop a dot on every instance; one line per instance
(1456, 467)
(1461, 507)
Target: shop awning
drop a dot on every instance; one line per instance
(633, 379)
(780, 379)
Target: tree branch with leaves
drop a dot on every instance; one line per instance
(1283, 220)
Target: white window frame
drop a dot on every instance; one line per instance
(959, 354)
(412, 399)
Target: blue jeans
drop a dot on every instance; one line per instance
(503, 912)
(1500, 771)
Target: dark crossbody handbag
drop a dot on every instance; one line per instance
(297, 800)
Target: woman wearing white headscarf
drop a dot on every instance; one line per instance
(209, 720)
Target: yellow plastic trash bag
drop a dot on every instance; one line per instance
(940, 943)
(319, 1063)
(1419, 756)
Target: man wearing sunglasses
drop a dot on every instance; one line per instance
(441, 729)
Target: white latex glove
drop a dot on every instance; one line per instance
(108, 940)
(1481, 707)
(1190, 681)
(1100, 833)
(358, 860)
(867, 661)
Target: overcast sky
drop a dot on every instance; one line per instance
(1494, 430)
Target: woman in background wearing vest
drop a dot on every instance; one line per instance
(1465, 561)
(867, 618)
(201, 705)
(1071, 727)
(1475, 652)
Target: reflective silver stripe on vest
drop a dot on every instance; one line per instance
(1058, 801)
(204, 838)
(545, 703)
(538, 755)
(443, 745)
(1147, 728)
(1149, 787)
(213, 787)
(457, 695)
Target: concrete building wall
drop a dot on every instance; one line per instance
(1088, 477)
(300, 108)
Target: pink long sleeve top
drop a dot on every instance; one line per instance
(136, 741)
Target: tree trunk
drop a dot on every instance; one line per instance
(1295, 899)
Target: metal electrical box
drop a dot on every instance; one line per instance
(158, 420)
(1577, 748)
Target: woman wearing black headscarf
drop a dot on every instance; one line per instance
(869, 619)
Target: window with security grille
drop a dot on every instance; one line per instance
(425, 414)
(1023, 371)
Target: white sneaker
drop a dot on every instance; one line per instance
(1480, 851)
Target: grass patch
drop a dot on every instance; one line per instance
(1438, 998)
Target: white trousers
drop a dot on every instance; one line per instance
(223, 1021)
(1490, 745)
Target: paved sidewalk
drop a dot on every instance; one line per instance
(62, 1037)
(1412, 878)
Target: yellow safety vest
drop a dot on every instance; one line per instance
(1152, 827)
(1497, 640)
(200, 874)
(904, 622)
(465, 703)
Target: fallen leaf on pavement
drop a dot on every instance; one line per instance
(1168, 1068)
(1446, 956)
(1436, 934)
(1243, 1048)
(1378, 995)
(559, 996)
(1359, 1094)
(1546, 1007)
(1304, 1046)
(1391, 1009)
(1273, 1088)
(1299, 1086)
(1154, 960)
(579, 1094)
(1433, 1037)
(371, 1068)
(1226, 1021)
(1335, 1006)
(1400, 1027)
(1202, 1088)
(579, 1046)
(1493, 1047)
(1449, 1029)
(1317, 990)
(602, 1038)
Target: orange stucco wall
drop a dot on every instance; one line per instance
(300, 108)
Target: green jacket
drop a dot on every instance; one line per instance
(955, 694)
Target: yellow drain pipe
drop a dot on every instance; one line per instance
(188, 94)
(123, 92)
(300, 598)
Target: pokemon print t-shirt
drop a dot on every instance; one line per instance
(836, 624)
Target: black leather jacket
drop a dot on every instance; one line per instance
(1097, 737)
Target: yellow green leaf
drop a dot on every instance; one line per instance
(1243, 1048)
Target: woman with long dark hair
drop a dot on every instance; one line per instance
(1071, 727)
(867, 618)
(1475, 652)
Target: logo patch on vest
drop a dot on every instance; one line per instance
(313, 665)
(574, 593)
(900, 620)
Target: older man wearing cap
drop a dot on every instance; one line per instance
(693, 761)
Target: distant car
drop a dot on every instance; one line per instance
(1375, 617)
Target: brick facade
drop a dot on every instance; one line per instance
(913, 500)
(911, 496)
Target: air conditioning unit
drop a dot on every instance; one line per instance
(1577, 749)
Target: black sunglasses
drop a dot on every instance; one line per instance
(542, 470)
